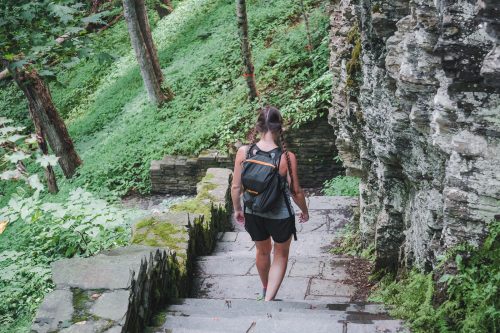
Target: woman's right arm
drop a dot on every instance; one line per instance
(236, 185)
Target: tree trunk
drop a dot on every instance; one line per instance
(308, 30)
(241, 13)
(45, 117)
(42, 144)
(145, 50)
(164, 8)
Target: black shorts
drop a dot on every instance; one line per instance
(260, 228)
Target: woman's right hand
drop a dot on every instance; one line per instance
(239, 217)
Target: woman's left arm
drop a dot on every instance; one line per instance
(236, 185)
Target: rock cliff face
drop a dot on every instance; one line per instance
(416, 111)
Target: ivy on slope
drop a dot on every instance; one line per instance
(118, 132)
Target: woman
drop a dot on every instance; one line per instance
(279, 222)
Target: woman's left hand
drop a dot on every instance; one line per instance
(239, 217)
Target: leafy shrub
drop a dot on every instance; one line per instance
(41, 232)
(342, 185)
(472, 300)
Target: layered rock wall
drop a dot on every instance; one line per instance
(416, 112)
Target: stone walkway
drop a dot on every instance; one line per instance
(313, 297)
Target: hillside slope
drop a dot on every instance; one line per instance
(118, 132)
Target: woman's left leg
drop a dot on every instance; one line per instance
(278, 268)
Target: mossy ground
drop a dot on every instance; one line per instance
(158, 233)
(202, 204)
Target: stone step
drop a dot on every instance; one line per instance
(325, 267)
(252, 324)
(308, 244)
(277, 324)
(228, 305)
(180, 330)
(192, 315)
(176, 311)
(292, 288)
(359, 313)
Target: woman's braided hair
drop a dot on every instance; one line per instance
(270, 119)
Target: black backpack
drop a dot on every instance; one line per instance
(262, 183)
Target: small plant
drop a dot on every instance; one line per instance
(472, 295)
(348, 242)
(342, 185)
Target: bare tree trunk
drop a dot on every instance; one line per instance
(308, 30)
(47, 120)
(49, 171)
(164, 7)
(147, 56)
(241, 13)
(142, 18)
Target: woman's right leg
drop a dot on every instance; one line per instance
(263, 259)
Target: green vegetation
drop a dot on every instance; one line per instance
(342, 185)
(470, 301)
(201, 204)
(349, 242)
(117, 132)
(210, 108)
(153, 232)
(81, 225)
(353, 65)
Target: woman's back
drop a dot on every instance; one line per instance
(283, 207)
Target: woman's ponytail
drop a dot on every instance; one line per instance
(289, 164)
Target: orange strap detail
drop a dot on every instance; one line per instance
(261, 163)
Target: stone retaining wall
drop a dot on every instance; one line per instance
(119, 290)
(313, 143)
(179, 174)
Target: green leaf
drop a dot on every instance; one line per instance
(64, 13)
(19, 64)
(46, 160)
(9, 57)
(458, 260)
(16, 137)
(96, 18)
(34, 182)
(445, 278)
(104, 58)
(16, 157)
(10, 174)
(46, 72)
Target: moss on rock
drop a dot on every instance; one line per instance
(159, 233)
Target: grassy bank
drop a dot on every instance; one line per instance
(117, 132)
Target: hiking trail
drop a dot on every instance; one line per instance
(315, 295)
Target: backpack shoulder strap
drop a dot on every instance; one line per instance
(250, 148)
(277, 158)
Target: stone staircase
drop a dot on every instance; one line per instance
(315, 295)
